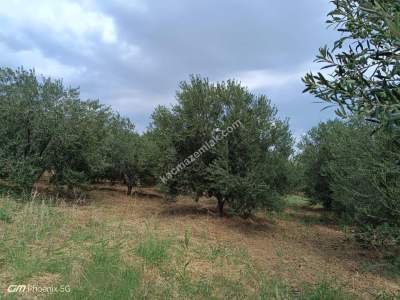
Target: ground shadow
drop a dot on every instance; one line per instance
(187, 210)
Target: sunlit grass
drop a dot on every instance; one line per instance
(294, 200)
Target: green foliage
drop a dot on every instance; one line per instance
(356, 174)
(346, 168)
(364, 62)
(315, 154)
(153, 250)
(366, 183)
(45, 127)
(121, 152)
(31, 223)
(388, 266)
(247, 168)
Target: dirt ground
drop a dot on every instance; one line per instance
(287, 247)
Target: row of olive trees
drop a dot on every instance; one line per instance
(353, 167)
(356, 174)
(45, 127)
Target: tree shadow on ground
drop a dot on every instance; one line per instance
(187, 210)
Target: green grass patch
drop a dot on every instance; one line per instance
(4, 216)
(273, 289)
(325, 291)
(154, 251)
(105, 276)
(295, 200)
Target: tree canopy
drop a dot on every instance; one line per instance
(47, 127)
(246, 167)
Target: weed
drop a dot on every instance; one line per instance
(215, 252)
(106, 276)
(324, 291)
(279, 252)
(153, 250)
(273, 290)
(187, 238)
(4, 216)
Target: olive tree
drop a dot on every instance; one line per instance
(356, 174)
(315, 154)
(46, 127)
(121, 151)
(224, 142)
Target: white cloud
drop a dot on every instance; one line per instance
(135, 102)
(261, 79)
(71, 20)
(79, 26)
(270, 79)
(34, 59)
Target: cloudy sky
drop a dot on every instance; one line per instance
(131, 54)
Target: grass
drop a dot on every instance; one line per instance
(325, 291)
(301, 211)
(153, 250)
(388, 266)
(296, 200)
(102, 259)
(4, 216)
(105, 276)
